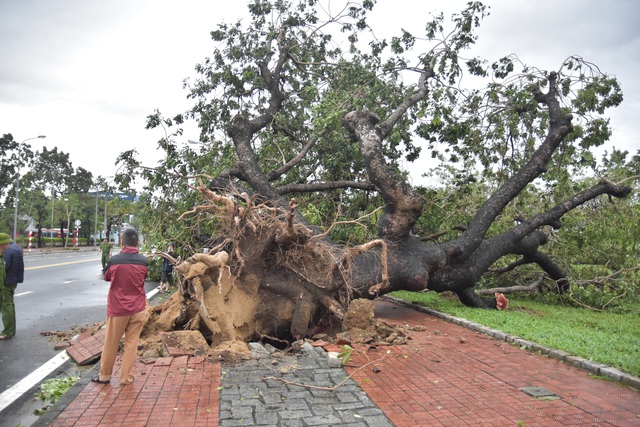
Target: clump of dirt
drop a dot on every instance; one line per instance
(360, 326)
(184, 343)
(361, 315)
(230, 352)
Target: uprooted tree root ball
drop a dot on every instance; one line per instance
(276, 282)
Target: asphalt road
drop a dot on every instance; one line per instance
(61, 290)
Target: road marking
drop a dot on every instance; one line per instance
(23, 293)
(27, 383)
(12, 394)
(59, 264)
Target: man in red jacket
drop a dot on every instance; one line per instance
(126, 308)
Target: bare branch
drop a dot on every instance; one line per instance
(324, 186)
(510, 289)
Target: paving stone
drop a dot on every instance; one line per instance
(540, 348)
(377, 421)
(558, 354)
(574, 361)
(322, 420)
(537, 392)
(234, 422)
(242, 412)
(346, 396)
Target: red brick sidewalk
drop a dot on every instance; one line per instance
(451, 376)
(180, 391)
(446, 376)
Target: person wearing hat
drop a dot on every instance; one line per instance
(106, 250)
(11, 273)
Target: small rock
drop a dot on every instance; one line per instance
(333, 361)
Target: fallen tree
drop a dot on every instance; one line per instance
(304, 118)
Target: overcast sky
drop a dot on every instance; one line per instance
(87, 73)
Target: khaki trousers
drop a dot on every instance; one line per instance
(130, 327)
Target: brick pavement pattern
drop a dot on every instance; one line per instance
(452, 376)
(447, 375)
(313, 394)
(180, 391)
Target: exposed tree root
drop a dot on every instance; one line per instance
(270, 277)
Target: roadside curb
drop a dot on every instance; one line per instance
(562, 356)
(57, 408)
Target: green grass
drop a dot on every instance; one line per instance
(610, 337)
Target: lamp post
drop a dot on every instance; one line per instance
(53, 195)
(106, 197)
(95, 224)
(15, 208)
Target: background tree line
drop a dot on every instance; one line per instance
(54, 194)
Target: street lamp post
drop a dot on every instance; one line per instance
(15, 208)
(106, 198)
(95, 224)
(53, 195)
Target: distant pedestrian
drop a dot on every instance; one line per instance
(106, 249)
(11, 273)
(126, 308)
(166, 277)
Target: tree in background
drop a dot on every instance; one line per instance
(48, 179)
(307, 118)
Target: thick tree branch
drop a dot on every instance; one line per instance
(559, 129)
(554, 215)
(524, 238)
(402, 205)
(272, 80)
(324, 186)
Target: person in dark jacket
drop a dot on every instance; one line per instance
(12, 274)
(126, 308)
(166, 277)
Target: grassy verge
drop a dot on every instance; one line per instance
(610, 337)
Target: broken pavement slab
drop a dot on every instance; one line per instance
(87, 349)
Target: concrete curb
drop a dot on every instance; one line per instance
(592, 367)
(57, 408)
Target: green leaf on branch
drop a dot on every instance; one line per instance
(346, 353)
